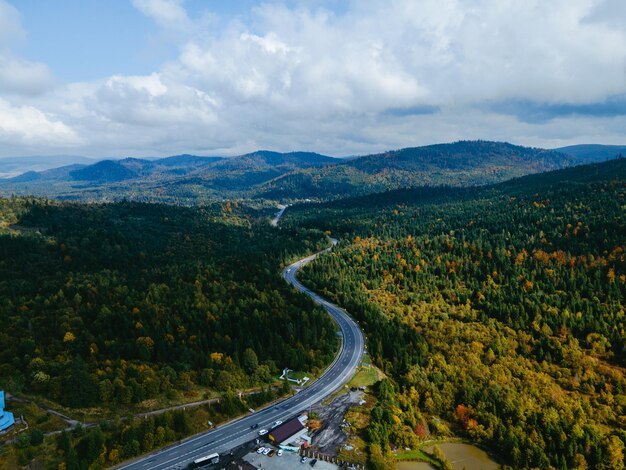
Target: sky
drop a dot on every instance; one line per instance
(341, 77)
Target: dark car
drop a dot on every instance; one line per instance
(313, 462)
(254, 426)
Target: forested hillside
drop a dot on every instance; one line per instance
(181, 179)
(293, 176)
(588, 153)
(464, 163)
(498, 313)
(105, 305)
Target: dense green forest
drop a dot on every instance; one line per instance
(113, 304)
(498, 312)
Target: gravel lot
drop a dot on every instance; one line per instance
(331, 435)
(288, 461)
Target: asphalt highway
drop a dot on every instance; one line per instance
(235, 433)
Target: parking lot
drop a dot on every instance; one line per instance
(288, 461)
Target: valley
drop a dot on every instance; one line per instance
(293, 234)
(484, 308)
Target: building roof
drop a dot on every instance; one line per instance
(286, 430)
(6, 418)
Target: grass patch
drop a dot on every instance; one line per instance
(417, 456)
(366, 377)
(363, 378)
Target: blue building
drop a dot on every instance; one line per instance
(6, 418)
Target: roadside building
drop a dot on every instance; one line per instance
(289, 431)
(6, 418)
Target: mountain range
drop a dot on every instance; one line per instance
(189, 179)
(15, 166)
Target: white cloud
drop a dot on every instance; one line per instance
(150, 84)
(379, 75)
(148, 101)
(24, 125)
(10, 24)
(20, 76)
(269, 43)
(167, 13)
(28, 125)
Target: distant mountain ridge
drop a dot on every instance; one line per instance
(16, 166)
(462, 154)
(177, 179)
(589, 153)
(189, 179)
(103, 171)
(463, 163)
(107, 171)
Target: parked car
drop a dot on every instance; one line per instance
(279, 453)
(313, 462)
(260, 450)
(303, 459)
(266, 451)
(271, 454)
(262, 432)
(277, 423)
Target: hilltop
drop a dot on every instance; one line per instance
(465, 163)
(589, 153)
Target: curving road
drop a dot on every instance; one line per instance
(230, 435)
